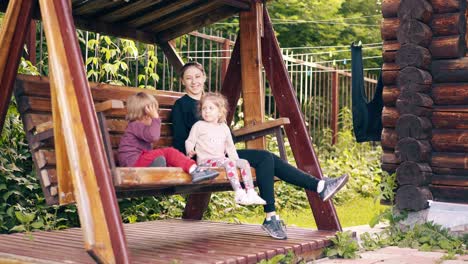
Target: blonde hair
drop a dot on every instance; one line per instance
(217, 99)
(136, 105)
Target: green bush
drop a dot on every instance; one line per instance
(22, 205)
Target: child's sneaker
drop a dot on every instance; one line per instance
(254, 198)
(200, 174)
(240, 197)
(332, 185)
(159, 162)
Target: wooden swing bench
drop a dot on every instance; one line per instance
(34, 104)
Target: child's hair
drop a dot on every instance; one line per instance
(191, 64)
(217, 99)
(136, 105)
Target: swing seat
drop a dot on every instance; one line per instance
(34, 104)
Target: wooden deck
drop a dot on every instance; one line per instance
(169, 241)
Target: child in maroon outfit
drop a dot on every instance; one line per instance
(144, 128)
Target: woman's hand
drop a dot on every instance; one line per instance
(191, 153)
(152, 111)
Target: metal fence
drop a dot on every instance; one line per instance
(322, 89)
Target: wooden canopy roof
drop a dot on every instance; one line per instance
(149, 21)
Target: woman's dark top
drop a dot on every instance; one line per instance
(184, 115)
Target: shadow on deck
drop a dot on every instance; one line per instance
(169, 241)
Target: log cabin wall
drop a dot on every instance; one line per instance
(425, 117)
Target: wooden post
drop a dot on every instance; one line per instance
(97, 203)
(286, 101)
(335, 107)
(225, 61)
(31, 43)
(12, 37)
(251, 59)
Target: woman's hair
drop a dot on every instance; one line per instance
(136, 105)
(217, 99)
(191, 64)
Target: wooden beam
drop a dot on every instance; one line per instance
(250, 27)
(95, 195)
(171, 54)
(12, 37)
(63, 171)
(132, 8)
(286, 101)
(160, 12)
(195, 23)
(182, 15)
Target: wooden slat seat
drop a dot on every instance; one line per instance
(34, 104)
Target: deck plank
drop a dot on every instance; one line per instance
(166, 241)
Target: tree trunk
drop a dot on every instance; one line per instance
(413, 55)
(390, 116)
(448, 6)
(410, 149)
(413, 32)
(389, 139)
(409, 125)
(448, 47)
(418, 174)
(450, 140)
(448, 24)
(390, 95)
(389, 28)
(414, 80)
(390, 8)
(450, 71)
(415, 9)
(450, 93)
(457, 120)
(390, 72)
(410, 197)
(414, 103)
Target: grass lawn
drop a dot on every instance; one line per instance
(353, 213)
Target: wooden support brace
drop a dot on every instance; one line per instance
(324, 213)
(97, 203)
(12, 37)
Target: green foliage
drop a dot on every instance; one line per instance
(425, 237)
(360, 160)
(151, 208)
(289, 258)
(110, 57)
(344, 246)
(22, 206)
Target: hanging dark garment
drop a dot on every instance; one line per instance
(367, 116)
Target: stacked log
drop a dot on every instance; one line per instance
(408, 105)
(449, 161)
(425, 116)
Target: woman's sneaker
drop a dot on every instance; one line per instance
(275, 228)
(253, 198)
(201, 174)
(332, 186)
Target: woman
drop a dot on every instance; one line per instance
(267, 165)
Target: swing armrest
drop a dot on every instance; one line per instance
(109, 105)
(265, 128)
